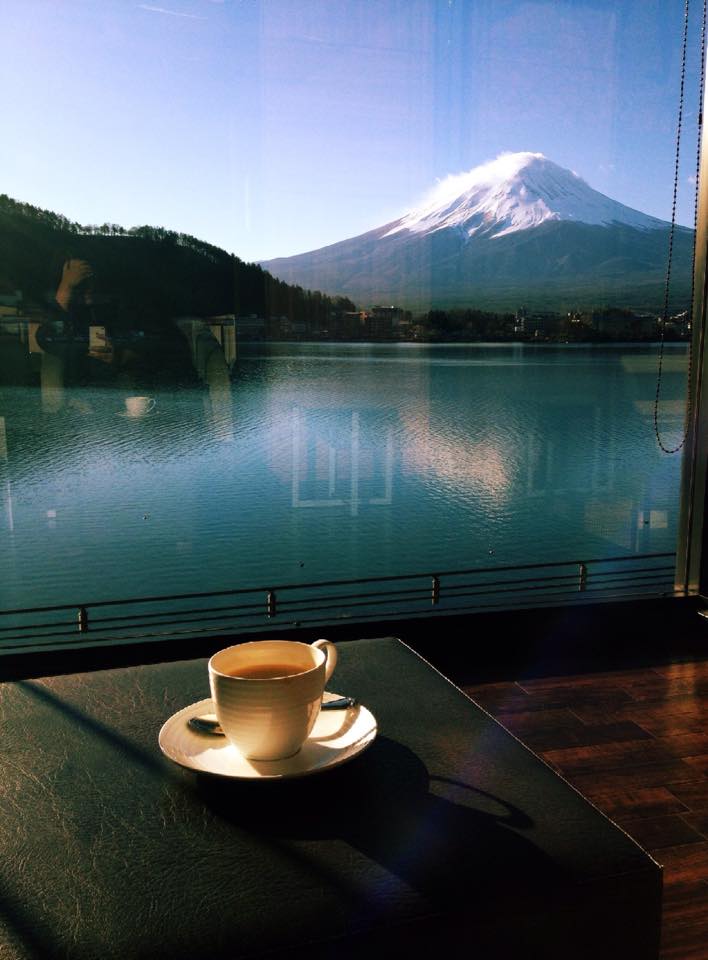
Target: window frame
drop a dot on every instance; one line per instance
(692, 544)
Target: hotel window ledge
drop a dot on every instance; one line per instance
(471, 648)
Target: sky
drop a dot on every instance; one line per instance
(273, 127)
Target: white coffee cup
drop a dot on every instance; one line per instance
(139, 406)
(267, 694)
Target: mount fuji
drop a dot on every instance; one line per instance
(517, 230)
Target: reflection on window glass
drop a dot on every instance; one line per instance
(396, 308)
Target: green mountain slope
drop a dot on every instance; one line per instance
(146, 273)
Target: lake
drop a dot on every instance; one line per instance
(334, 460)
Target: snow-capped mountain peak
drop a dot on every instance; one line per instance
(516, 191)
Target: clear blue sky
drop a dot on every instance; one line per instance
(271, 127)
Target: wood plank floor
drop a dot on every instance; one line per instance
(635, 742)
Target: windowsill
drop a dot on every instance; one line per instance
(469, 649)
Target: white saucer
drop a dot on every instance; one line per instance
(337, 736)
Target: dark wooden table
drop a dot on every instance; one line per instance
(446, 833)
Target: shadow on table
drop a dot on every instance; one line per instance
(375, 839)
(387, 806)
(20, 922)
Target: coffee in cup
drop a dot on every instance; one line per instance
(139, 406)
(267, 694)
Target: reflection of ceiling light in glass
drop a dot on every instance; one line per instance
(658, 519)
(654, 519)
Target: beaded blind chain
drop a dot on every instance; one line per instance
(667, 285)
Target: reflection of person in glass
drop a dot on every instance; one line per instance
(121, 340)
(210, 364)
(76, 283)
(76, 298)
(71, 311)
(65, 337)
(104, 338)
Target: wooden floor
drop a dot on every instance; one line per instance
(635, 742)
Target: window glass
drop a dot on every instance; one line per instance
(294, 292)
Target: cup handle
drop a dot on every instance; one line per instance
(330, 651)
(151, 405)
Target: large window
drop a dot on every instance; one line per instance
(296, 293)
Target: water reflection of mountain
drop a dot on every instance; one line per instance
(504, 434)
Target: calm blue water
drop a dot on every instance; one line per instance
(336, 460)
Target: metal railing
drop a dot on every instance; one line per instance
(294, 605)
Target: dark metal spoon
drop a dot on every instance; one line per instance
(207, 723)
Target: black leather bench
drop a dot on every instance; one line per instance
(447, 833)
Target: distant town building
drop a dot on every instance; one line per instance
(349, 325)
(379, 324)
(251, 327)
(387, 322)
(616, 322)
(679, 324)
(538, 324)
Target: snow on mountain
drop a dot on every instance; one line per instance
(517, 230)
(515, 192)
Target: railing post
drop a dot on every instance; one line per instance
(435, 596)
(83, 620)
(583, 580)
(272, 604)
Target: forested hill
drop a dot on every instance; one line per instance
(152, 273)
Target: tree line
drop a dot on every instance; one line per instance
(151, 274)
